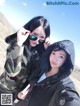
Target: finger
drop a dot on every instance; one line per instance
(26, 88)
(26, 33)
(47, 39)
(23, 31)
(47, 43)
(25, 93)
(20, 94)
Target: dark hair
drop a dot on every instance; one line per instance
(36, 22)
(31, 25)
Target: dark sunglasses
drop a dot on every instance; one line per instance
(33, 37)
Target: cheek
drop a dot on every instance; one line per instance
(31, 42)
(50, 58)
(62, 62)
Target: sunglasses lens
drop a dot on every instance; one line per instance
(41, 41)
(33, 37)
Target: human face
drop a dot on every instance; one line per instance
(57, 58)
(39, 32)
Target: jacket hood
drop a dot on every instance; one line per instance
(68, 46)
(68, 66)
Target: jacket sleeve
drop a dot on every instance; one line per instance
(14, 58)
(68, 98)
(65, 98)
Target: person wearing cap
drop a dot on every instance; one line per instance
(25, 48)
(53, 86)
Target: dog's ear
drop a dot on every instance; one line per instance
(11, 38)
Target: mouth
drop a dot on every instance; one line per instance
(54, 63)
(34, 44)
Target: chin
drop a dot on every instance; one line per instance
(54, 66)
(33, 45)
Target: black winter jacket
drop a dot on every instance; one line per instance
(52, 91)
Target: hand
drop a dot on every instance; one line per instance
(22, 95)
(47, 43)
(22, 35)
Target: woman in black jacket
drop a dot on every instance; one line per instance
(52, 86)
(25, 48)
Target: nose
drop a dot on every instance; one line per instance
(55, 59)
(37, 41)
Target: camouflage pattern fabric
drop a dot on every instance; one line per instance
(15, 74)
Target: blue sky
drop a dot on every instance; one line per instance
(64, 19)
